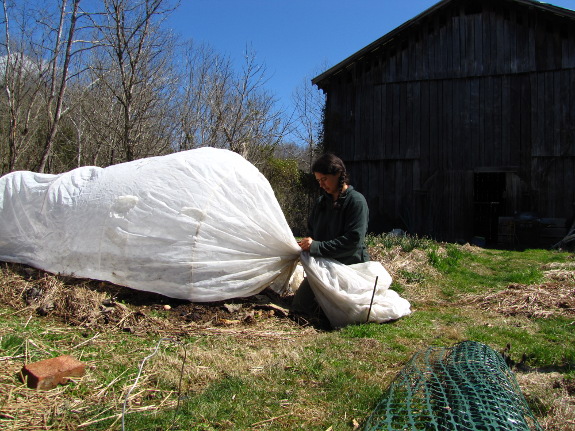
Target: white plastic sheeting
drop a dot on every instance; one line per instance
(202, 225)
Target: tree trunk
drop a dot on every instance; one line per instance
(54, 120)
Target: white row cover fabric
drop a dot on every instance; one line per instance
(346, 293)
(202, 225)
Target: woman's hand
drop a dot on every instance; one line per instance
(305, 243)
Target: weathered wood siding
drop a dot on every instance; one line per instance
(472, 87)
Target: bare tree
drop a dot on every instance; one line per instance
(58, 71)
(21, 85)
(249, 120)
(309, 105)
(42, 56)
(134, 77)
(226, 109)
(206, 75)
(126, 107)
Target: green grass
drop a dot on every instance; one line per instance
(466, 272)
(411, 276)
(538, 343)
(12, 345)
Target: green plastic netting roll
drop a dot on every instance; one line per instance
(467, 387)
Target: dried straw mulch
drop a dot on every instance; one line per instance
(555, 297)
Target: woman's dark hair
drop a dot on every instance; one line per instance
(332, 165)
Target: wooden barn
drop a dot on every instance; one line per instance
(460, 124)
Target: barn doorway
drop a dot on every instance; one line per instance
(488, 204)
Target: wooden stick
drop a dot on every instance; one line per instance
(372, 296)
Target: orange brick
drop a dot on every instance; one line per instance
(49, 373)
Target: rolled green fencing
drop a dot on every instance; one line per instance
(465, 387)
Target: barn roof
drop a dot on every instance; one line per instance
(392, 35)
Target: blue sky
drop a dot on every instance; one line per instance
(295, 39)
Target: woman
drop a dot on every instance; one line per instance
(337, 224)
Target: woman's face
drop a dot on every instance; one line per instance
(328, 182)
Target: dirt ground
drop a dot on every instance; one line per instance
(106, 306)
